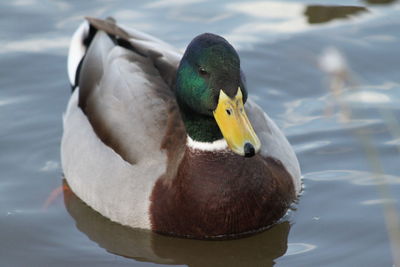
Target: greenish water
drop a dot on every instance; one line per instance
(339, 220)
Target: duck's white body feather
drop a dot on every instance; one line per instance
(124, 102)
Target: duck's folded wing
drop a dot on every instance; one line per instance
(125, 83)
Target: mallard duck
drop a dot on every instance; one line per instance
(157, 140)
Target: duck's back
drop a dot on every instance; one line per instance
(116, 121)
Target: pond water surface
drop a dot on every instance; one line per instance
(339, 220)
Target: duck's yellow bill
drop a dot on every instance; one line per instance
(235, 126)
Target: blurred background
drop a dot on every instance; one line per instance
(328, 72)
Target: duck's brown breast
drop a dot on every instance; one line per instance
(221, 195)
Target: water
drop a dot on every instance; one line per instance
(339, 220)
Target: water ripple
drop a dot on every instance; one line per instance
(353, 176)
(299, 248)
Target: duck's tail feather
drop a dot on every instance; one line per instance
(80, 42)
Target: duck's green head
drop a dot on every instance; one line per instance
(211, 93)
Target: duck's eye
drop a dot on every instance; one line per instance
(202, 71)
(228, 111)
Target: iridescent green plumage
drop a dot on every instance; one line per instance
(210, 64)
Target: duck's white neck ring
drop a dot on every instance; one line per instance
(217, 145)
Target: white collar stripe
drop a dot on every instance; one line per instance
(207, 146)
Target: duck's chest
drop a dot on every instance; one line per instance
(221, 194)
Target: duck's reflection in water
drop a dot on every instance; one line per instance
(142, 245)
